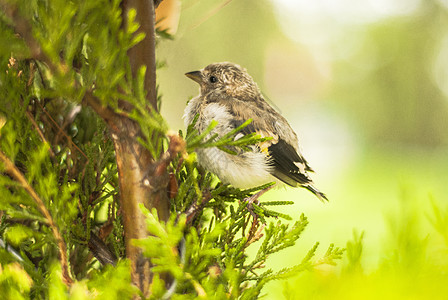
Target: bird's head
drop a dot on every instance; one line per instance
(225, 78)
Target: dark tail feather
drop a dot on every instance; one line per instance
(316, 192)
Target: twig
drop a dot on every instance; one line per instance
(105, 112)
(255, 233)
(211, 13)
(69, 139)
(11, 169)
(30, 117)
(176, 145)
(195, 208)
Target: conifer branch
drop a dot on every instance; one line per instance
(12, 170)
(25, 30)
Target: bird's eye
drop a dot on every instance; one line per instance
(213, 79)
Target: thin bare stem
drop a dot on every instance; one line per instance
(211, 13)
(36, 127)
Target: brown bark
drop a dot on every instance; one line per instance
(143, 54)
(138, 184)
(140, 181)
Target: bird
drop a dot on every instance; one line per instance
(230, 96)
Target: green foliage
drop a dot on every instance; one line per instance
(395, 51)
(439, 220)
(59, 179)
(15, 283)
(61, 148)
(354, 253)
(110, 283)
(408, 268)
(202, 251)
(211, 261)
(227, 143)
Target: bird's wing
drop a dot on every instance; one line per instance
(288, 164)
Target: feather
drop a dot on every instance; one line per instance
(230, 96)
(288, 164)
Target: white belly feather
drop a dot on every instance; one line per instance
(245, 170)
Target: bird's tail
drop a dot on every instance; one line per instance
(316, 192)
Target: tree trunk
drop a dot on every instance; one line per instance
(139, 182)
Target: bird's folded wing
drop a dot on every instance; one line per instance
(287, 164)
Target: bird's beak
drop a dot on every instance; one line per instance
(195, 75)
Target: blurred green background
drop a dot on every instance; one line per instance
(364, 84)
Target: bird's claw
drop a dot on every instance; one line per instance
(250, 200)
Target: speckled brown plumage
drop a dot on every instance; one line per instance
(229, 95)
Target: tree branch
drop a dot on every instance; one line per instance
(140, 179)
(11, 169)
(106, 113)
(24, 29)
(144, 53)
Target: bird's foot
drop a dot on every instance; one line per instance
(254, 199)
(250, 200)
